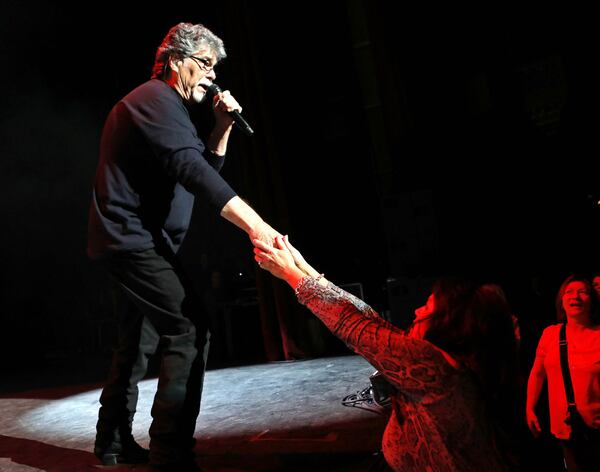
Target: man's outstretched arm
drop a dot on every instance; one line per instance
(238, 212)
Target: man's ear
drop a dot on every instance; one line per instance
(174, 64)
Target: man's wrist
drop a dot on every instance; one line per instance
(256, 226)
(242, 215)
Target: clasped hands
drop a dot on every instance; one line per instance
(282, 259)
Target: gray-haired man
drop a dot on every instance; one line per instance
(152, 165)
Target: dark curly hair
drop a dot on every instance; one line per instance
(473, 322)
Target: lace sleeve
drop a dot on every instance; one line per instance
(414, 366)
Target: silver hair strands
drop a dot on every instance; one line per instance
(183, 40)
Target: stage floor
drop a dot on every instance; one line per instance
(284, 416)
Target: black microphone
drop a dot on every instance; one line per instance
(214, 89)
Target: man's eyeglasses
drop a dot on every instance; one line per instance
(203, 63)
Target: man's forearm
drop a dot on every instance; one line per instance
(218, 139)
(238, 212)
(243, 216)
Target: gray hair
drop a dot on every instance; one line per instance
(183, 40)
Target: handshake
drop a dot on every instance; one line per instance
(283, 260)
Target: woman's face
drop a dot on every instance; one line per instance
(426, 310)
(419, 326)
(576, 300)
(596, 284)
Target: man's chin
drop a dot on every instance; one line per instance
(198, 97)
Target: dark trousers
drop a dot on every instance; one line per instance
(157, 310)
(581, 457)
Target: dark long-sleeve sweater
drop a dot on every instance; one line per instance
(151, 166)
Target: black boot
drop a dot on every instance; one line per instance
(120, 449)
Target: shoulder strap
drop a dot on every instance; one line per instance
(564, 365)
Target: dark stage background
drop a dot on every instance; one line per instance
(393, 144)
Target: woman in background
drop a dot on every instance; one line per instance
(576, 306)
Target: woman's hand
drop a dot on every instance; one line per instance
(279, 260)
(299, 259)
(532, 423)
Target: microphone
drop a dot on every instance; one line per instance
(214, 89)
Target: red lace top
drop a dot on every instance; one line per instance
(438, 421)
